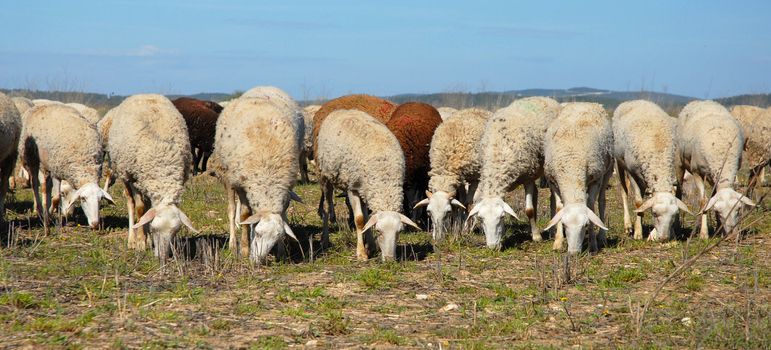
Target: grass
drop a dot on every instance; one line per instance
(79, 288)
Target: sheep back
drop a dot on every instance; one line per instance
(10, 127)
(577, 149)
(455, 152)
(200, 119)
(512, 145)
(255, 143)
(413, 124)
(88, 113)
(149, 147)
(358, 152)
(73, 151)
(644, 138)
(756, 124)
(23, 104)
(376, 107)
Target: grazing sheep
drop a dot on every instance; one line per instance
(358, 154)
(150, 152)
(279, 96)
(60, 145)
(644, 148)
(10, 126)
(23, 104)
(306, 153)
(376, 107)
(512, 155)
(201, 120)
(90, 114)
(413, 124)
(710, 145)
(578, 164)
(756, 125)
(455, 161)
(446, 112)
(256, 153)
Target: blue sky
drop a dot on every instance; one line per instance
(329, 48)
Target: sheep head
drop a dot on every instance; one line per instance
(491, 210)
(387, 226)
(665, 207)
(267, 230)
(165, 221)
(439, 206)
(726, 203)
(89, 195)
(575, 217)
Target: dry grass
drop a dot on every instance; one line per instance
(81, 288)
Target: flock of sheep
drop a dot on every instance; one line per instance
(398, 164)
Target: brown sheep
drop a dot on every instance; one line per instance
(413, 124)
(377, 107)
(201, 119)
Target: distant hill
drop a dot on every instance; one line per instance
(490, 100)
(493, 100)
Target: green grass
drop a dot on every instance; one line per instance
(82, 289)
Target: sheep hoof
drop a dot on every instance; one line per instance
(537, 237)
(557, 246)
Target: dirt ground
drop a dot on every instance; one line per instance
(79, 288)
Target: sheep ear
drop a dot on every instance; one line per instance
(595, 219)
(422, 203)
(371, 222)
(107, 196)
(645, 206)
(457, 203)
(429, 194)
(186, 221)
(255, 218)
(747, 201)
(682, 206)
(289, 231)
(406, 220)
(507, 209)
(293, 196)
(555, 220)
(149, 216)
(709, 204)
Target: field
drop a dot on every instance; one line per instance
(79, 288)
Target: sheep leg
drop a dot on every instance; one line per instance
(303, 168)
(205, 160)
(359, 219)
(197, 151)
(246, 212)
(328, 191)
(35, 183)
(6, 170)
(624, 181)
(56, 197)
(703, 229)
(594, 190)
(531, 205)
(130, 206)
(46, 197)
(232, 241)
(460, 216)
(601, 206)
(559, 235)
(638, 201)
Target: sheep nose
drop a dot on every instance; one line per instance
(94, 225)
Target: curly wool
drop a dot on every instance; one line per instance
(446, 112)
(255, 146)
(644, 141)
(90, 114)
(455, 153)
(376, 107)
(577, 149)
(278, 96)
(413, 124)
(512, 145)
(63, 142)
(710, 142)
(149, 147)
(104, 124)
(756, 124)
(357, 152)
(10, 127)
(23, 104)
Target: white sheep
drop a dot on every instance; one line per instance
(710, 143)
(256, 157)
(756, 124)
(455, 161)
(512, 155)
(22, 104)
(10, 127)
(307, 150)
(358, 154)
(90, 114)
(446, 112)
(644, 148)
(150, 152)
(103, 127)
(277, 95)
(578, 164)
(59, 144)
